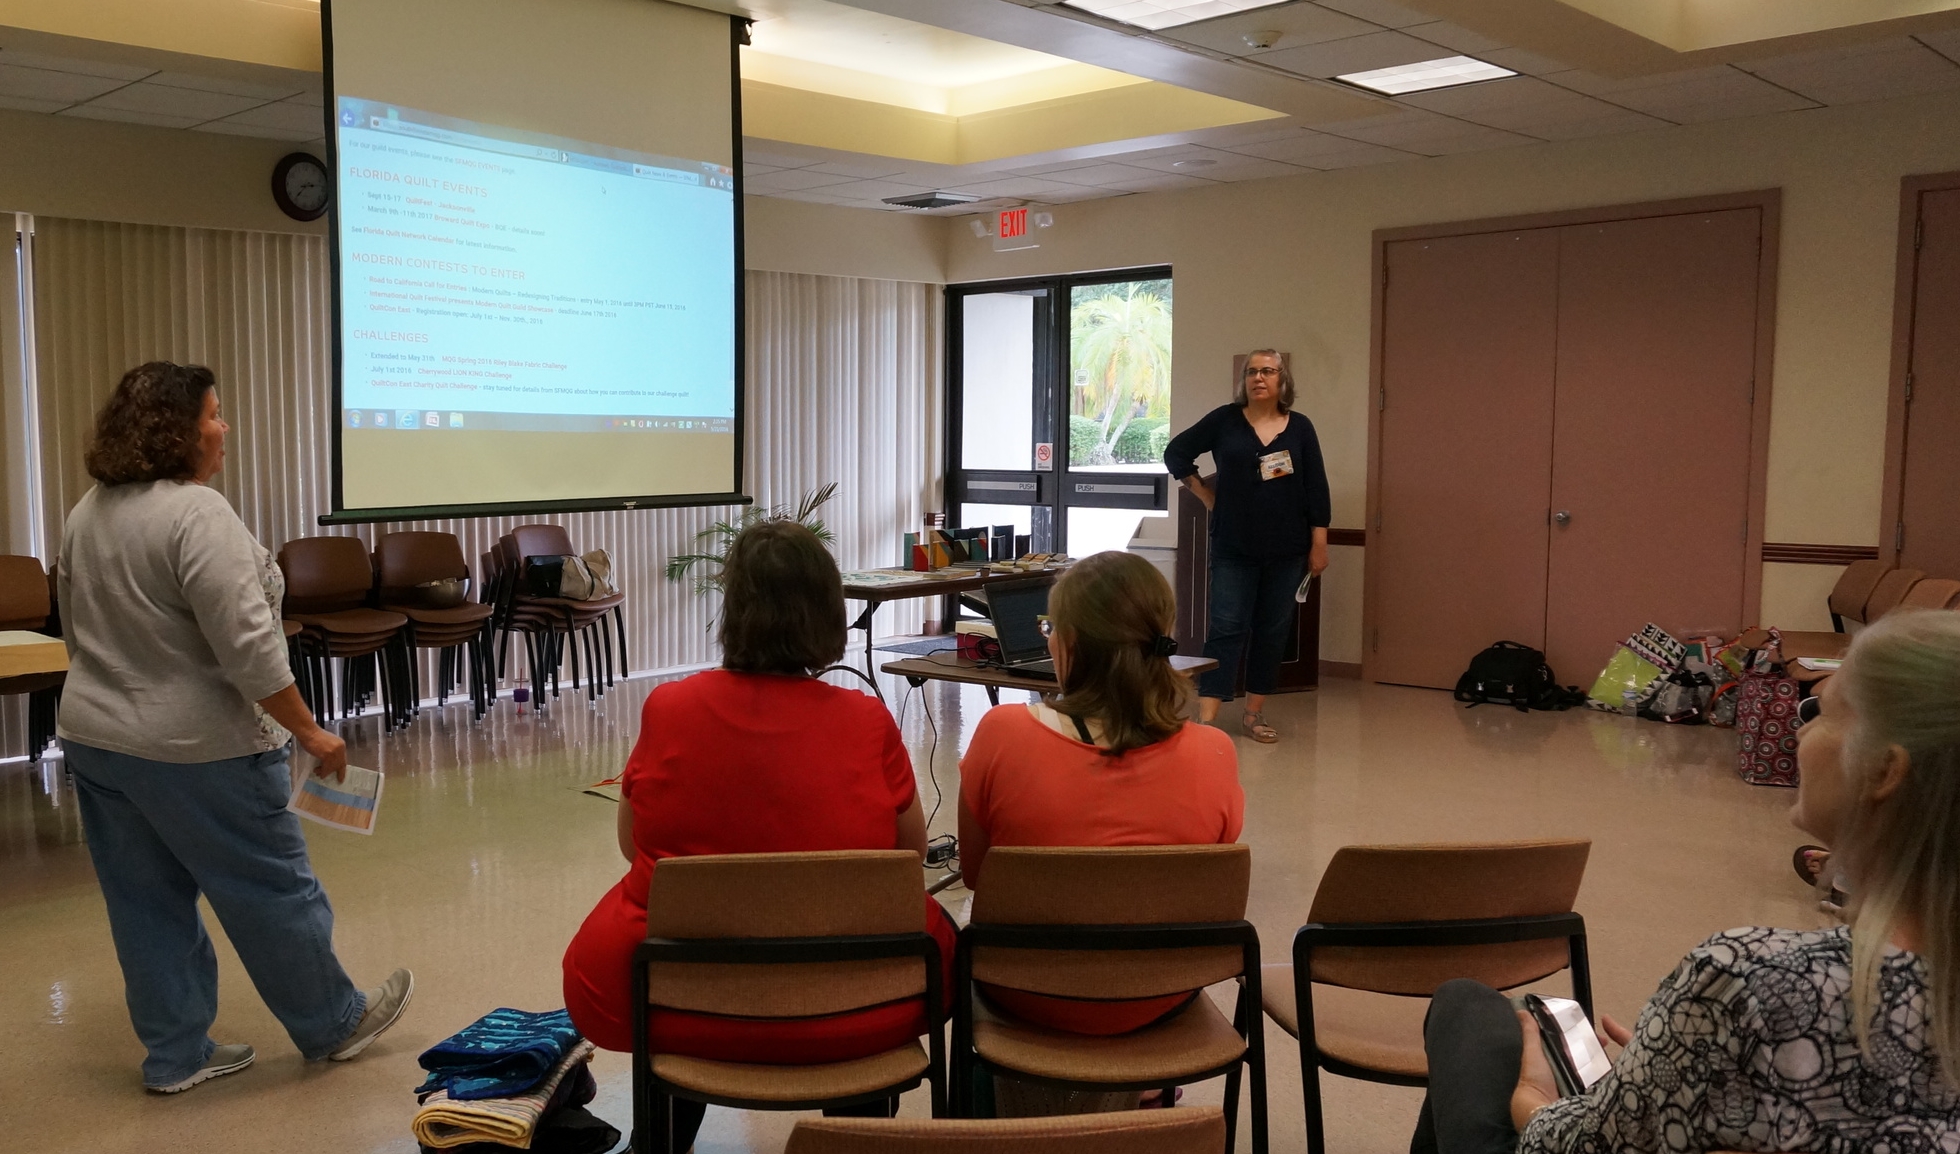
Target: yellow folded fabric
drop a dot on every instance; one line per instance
(443, 1122)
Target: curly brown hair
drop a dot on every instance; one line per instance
(148, 430)
(782, 608)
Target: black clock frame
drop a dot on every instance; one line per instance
(286, 164)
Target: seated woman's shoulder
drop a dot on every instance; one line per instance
(1761, 944)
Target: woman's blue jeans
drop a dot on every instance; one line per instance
(160, 834)
(1251, 615)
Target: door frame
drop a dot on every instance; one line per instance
(1769, 201)
(1054, 488)
(1905, 302)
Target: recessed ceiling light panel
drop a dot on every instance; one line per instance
(1424, 75)
(1155, 14)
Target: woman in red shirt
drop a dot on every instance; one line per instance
(755, 757)
(1110, 761)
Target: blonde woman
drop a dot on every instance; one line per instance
(1845, 1039)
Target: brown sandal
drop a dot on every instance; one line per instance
(1254, 725)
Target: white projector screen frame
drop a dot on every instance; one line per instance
(342, 514)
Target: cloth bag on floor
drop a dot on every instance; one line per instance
(1766, 719)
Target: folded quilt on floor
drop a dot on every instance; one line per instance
(513, 1121)
(502, 1053)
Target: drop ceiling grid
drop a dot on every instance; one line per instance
(98, 90)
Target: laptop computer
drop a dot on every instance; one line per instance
(1016, 608)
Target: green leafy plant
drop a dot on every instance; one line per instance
(1120, 349)
(714, 541)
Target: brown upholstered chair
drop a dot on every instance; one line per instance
(1390, 923)
(556, 628)
(1887, 589)
(1116, 922)
(27, 604)
(1932, 593)
(329, 590)
(783, 935)
(1198, 1130)
(408, 568)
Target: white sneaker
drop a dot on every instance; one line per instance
(223, 1060)
(385, 1004)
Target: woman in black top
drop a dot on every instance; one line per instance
(1269, 514)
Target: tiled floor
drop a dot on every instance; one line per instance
(487, 857)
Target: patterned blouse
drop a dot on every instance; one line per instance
(1748, 1046)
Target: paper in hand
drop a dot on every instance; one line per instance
(350, 804)
(1306, 587)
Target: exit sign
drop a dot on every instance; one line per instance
(1013, 223)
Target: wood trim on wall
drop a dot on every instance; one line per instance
(1800, 553)
(1904, 293)
(1769, 201)
(1358, 538)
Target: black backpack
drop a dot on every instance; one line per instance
(1512, 674)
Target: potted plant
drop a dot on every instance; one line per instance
(714, 541)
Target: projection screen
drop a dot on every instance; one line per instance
(536, 239)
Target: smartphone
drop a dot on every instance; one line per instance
(1572, 1047)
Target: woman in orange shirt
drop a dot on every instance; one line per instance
(1109, 761)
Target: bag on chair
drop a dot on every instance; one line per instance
(1766, 719)
(570, 577)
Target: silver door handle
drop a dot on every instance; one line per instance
(1562, 517)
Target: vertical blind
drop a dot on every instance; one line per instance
(843, 385)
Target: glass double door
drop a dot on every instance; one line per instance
(1060, 407)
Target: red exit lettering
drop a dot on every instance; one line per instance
(1013, 223)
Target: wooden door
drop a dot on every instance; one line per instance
(1456, 553)
(1657, 337)
(1928, 528)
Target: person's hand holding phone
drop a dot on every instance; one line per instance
(1611, 1031)
(1536, 1087)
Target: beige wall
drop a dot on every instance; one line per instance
(1287, 263)
(797, 236)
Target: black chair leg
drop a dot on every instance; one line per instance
(625, 667)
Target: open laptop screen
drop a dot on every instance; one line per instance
(1015, 608)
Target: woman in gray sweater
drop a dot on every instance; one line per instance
(176, 722)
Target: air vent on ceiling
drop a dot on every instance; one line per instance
(931, 199)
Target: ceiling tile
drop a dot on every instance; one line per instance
(1104, 174)
(870, 168)
(1257, 132)
(1208, 163)
(1455, 37)
(1354, 54)
(1946, 43)
(123, 72)
(177, 103)
(285, 115)
(793, 180)
(226, 86)
(1299, 148)
(1238, 168)
(1383, 12)
(310, 96)
(1874, 71)
(805, 196)
(30, 104)
(1426, 133)
(1057, 167)
(1356, 155)
(232, 128)
(1161, 182)
(131, 116)
(1705, 94)
(1082, 192)
(1023, 187)
(871, 189)
(47, 85)
(1296, 24)
(1518, 60)
(1530, 106)
(751, 171)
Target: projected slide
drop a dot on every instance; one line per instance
(500, 280)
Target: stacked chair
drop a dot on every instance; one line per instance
(554, 628)
(424, 578)
(329, 587)
(27, 603)
(1866, 591)
(1389, 924)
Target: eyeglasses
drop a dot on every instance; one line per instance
(1262, 371)
(1046, 626)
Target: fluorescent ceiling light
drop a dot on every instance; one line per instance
(1154, 14)
(1424, 75)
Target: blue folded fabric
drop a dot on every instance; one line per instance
(504, 1052)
